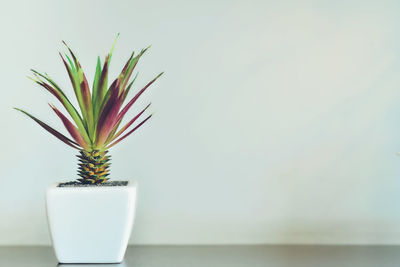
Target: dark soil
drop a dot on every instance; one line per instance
(79, 184)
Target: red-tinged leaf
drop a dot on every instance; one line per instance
(73, 131)
(102, 84)
(125, 68)
(132, 64)
(54, 89)
(72, 53)
(84, 86)
(128, 70)
(123, 76)
(54, 132)
(104, 74)
(133, 100)
(72, 78)
(109, 114)
(126, 126)
(51, 90)
(87, 98)
(129, 133)
(128, 88)
(87, 102)
(103, 80)
(81, 89)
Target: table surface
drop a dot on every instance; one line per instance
(215, 256)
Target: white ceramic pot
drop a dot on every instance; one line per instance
(91, 224)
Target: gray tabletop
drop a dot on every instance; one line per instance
(232, 256)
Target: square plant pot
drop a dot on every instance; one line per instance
(91, 224)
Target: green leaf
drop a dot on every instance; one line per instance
(57, 92)
(75, 84)
(82, 91)
(101, 88)
(128, 88)
(73, 131)
(95, 88)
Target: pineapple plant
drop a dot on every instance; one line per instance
(97, 126)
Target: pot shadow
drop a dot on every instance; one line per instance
(122, 264)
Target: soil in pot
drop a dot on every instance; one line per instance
(79, 184)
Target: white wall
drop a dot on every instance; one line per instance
(276, 122)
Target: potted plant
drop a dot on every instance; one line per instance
(91, 219)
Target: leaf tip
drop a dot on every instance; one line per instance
(115, 41)
(159, 75)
